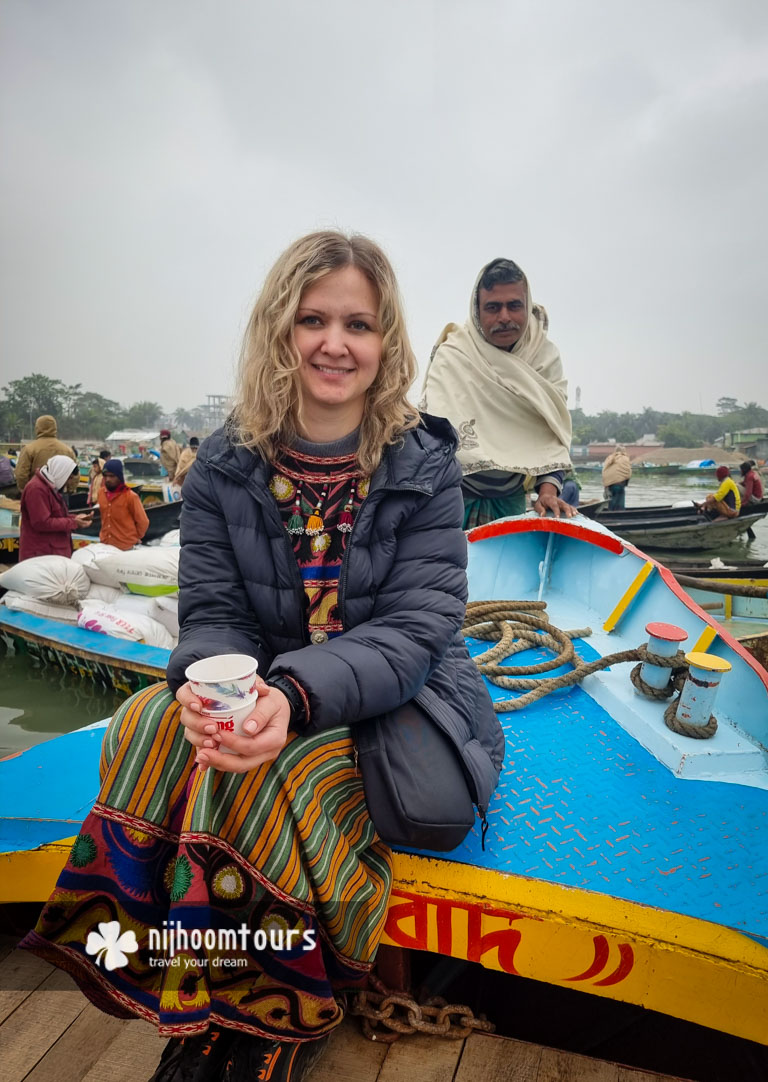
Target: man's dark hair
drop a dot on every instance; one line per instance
(105, 454)
(194, 441)
(745, 467)
(501, 272)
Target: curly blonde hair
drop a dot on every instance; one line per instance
(268, 401)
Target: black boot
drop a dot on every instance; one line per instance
(195, 1059)
(253, 1059)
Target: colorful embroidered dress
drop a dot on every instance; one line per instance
(279, 871)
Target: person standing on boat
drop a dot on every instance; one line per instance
(170, 452)
(617, 470)
(96, 477)
(46, 524)
(123, 518)
(499, 380)
(186, 458)
(726, 502)
(44, 446)
(751, 485)
(321, 535)
(571, 488)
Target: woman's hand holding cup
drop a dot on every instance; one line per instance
(234, 719)
(265, 733)
(199, 729)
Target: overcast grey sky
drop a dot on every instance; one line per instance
(157, 156)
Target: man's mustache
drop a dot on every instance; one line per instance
(505, 327)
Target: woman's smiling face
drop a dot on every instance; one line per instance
(338, 337)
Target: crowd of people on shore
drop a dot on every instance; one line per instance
(46, 473)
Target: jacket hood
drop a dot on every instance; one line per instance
(46, 426)
(415, 462)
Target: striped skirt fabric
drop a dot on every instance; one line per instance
(250, 900)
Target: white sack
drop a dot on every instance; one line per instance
(135, 603)
(104, 594)
(166, 612)
(21, 603)
(90, 557)
(173, 537)
(125, 625)
(146, 570)
(48, 578)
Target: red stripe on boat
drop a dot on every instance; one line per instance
(502, 527)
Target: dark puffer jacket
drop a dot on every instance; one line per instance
(402, 591)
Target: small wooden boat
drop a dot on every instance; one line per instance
(751, 571)
(152, 490)
(163, 517)
(621, 859)
(144, 467)
(665, 470)
(114, 663)
(676, 528)
(737, 596)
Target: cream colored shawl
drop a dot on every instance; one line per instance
(509, 407)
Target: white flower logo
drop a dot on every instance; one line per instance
(110, 945)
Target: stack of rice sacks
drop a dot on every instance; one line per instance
(130, 595)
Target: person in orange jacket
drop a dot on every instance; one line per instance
(123, 518)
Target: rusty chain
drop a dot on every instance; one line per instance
(435, 1016)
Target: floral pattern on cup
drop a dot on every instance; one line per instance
(213, 704)
(232, 691)
(230, 679)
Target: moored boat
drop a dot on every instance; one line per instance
(737, 596)
(114, 663)
(163, 517)
(680, 527)
(621, 859)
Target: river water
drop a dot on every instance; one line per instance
(37, 703)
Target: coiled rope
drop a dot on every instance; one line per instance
(522, 625)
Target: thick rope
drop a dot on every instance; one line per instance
(696, 732)
(515, 626)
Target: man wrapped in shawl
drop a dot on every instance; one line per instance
(499, 380)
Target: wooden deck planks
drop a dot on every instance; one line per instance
(20, 974)
(351, 1057)
(82, 1044)
(49, 1032)
(37, 1023)
(498, 1059)
(556, 1066)
(131, 1057)
(422, 1057)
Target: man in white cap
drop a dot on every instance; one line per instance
(46, 524)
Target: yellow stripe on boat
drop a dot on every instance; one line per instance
(704, 641)
(682, 966)
(629, 596)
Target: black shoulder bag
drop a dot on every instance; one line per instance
(418, 791)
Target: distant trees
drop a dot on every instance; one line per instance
(143, 415)
(190, 420)
(78, 413)
(674, 429)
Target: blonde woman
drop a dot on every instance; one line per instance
(321, 534)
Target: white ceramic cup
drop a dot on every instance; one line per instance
(231, 721)
(224, 681)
